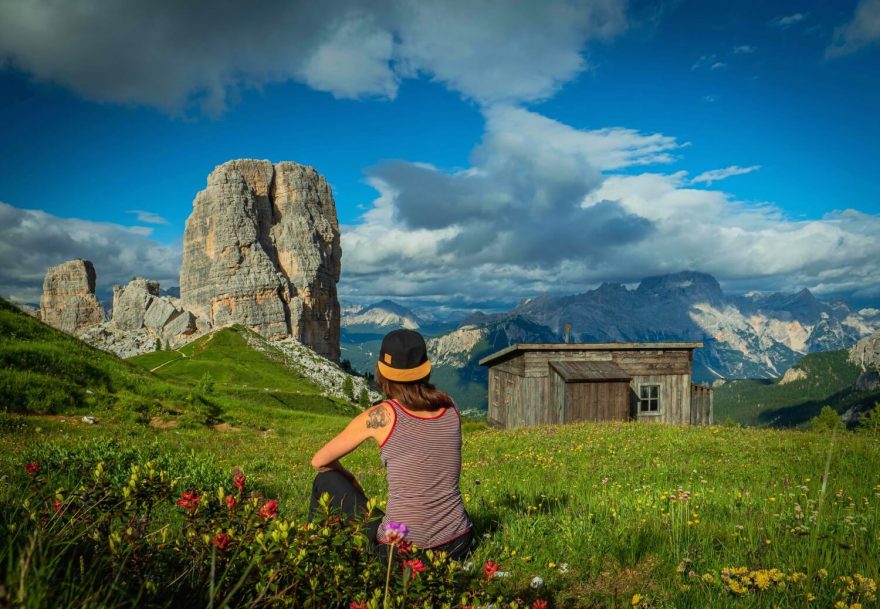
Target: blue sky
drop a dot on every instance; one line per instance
(602, 116)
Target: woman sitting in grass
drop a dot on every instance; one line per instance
(419, 434)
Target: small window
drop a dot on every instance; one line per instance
(649, 399)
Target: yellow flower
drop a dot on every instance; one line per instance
(822, 573)
(762, 579)
(840, 605)
(810, 597)
(636, 599)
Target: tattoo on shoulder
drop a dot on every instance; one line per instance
(377, 418)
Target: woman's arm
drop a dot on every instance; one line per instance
(372, 423)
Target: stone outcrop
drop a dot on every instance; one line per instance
(261, 248)
(69, 302)
(140, 307)
(866, 355)
(791, 375)
(130, 303)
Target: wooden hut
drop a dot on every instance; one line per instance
(533, 384)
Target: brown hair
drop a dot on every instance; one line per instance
(418, 395)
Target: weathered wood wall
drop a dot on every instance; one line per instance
(702, 405)
(523, 391)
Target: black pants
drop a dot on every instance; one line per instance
(348, 501)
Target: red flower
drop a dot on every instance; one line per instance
(32, 468)
(189, 501)
(416, 565)
(490, 568)
(404, 547)
(230, 502)
(539, 604)
(357, 605)
(238, 480)
(56, 506)
(221, 540)
(270, 510)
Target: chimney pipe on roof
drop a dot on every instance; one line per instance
(566, 337)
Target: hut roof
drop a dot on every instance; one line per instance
(573, 371)
(513, 350)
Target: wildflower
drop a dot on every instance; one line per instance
(56, 506)
(357, 605)
(636, 599)
(563, 568)
(231, 502)
(238, 480)
(490, 569)
(395, 532)
(32, 468)
(404, 547)
(822, 573)
(762, 580)
(537, 582)
(221, 540)
(539, 604)
(269, 510)
(189, 500)
(604, 481)
(415, 565)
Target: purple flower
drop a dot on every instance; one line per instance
(395, 532)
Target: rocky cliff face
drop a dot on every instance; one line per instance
(866, 355)
(261, 248)
(69, 302)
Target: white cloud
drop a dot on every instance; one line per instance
(744, 49)
(716, 175)
(147, 217)
(787, 21)
(174, 55)
(31, 241)
(861, 31)
(547, 207)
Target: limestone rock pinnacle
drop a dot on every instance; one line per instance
(68, 301)
(261, 248)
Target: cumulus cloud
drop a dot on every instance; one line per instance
(31, 241)
(861, 31)
(172, 55)
(547, 207)
(716, 175)
(744, 49)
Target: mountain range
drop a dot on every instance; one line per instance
(751, 335)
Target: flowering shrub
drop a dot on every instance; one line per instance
(142, 540)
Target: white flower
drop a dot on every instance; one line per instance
(563, 568)
(467, 566)
(537, 582)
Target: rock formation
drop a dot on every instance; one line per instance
(261, 248)
(791, 375)
(866, 355)
(69, 302)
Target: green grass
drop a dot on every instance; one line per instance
(829, 381)
(592, 496)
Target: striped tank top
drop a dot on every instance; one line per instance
(422, 458)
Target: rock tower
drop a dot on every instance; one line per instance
(68, 301)
(261, 248)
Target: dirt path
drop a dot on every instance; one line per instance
(182, 356)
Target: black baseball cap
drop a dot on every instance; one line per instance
(403, 357)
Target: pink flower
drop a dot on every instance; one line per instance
(231, 502)
(269, 510)
(395, 532)
(189, 501)
(32, 468)
(221, 540)
(490, 568)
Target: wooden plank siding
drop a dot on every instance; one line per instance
(702, 405)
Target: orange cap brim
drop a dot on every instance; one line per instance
(405, 376)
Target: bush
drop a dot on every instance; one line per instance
(826, 420)
(870, 421)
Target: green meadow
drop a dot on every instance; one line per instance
(586, 515)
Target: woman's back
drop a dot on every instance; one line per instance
(422, 456)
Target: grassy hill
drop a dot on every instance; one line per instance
(829, 381)
(605, 514)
